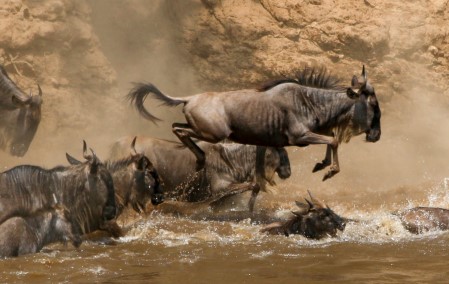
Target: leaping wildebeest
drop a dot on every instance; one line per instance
(230, 167)
(86, 190)
(309, 109)
(20, 115)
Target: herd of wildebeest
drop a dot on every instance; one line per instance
(232, 142)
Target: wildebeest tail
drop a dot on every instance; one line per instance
(139, 93)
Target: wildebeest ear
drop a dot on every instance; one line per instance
(303, 208)
(351, 93)
(302, 205)
(72, 160)
(354, 81)
(19, 102)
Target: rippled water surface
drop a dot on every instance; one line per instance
(162, 248)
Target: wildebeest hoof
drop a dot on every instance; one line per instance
(320, 166)
(329, 174)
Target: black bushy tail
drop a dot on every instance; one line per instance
(138, 94)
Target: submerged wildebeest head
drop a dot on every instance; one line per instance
(20, 116)
(313, 220)
(367, 111)
(135, 180)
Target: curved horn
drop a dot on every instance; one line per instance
(40, 90)
(133, 146)
(316, 201)
(93, 154)
(85, 155)
(308, 202)
(72, 160)
(363, 72)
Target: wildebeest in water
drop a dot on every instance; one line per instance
(21, 235)
(309, 109)
(86, 190)
(229, 167)
(136, 181)
(20, 116)
(313, 220)
(423, 219)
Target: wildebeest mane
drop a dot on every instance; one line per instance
(310, 77)
(117, 165)
(46, 183)
(32, 174)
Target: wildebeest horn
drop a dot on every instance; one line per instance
(93, 154)
(133, 146)
(308, 202)
(71, 159)
(363, 72)
(316, 201)
(85, 155)
(40, 90)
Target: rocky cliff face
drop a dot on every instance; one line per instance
(242, 42)
(53, 44)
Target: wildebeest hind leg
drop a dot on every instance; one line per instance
(184, 132)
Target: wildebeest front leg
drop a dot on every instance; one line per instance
(326, 162)
(313, 138)
(184, 132)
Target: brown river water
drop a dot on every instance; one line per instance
(164, 248)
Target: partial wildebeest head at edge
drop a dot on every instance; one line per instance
(313, 220)
(99, 179)
(367, 111)
(146, 181)
(20, 116)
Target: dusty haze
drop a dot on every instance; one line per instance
(86, 54)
